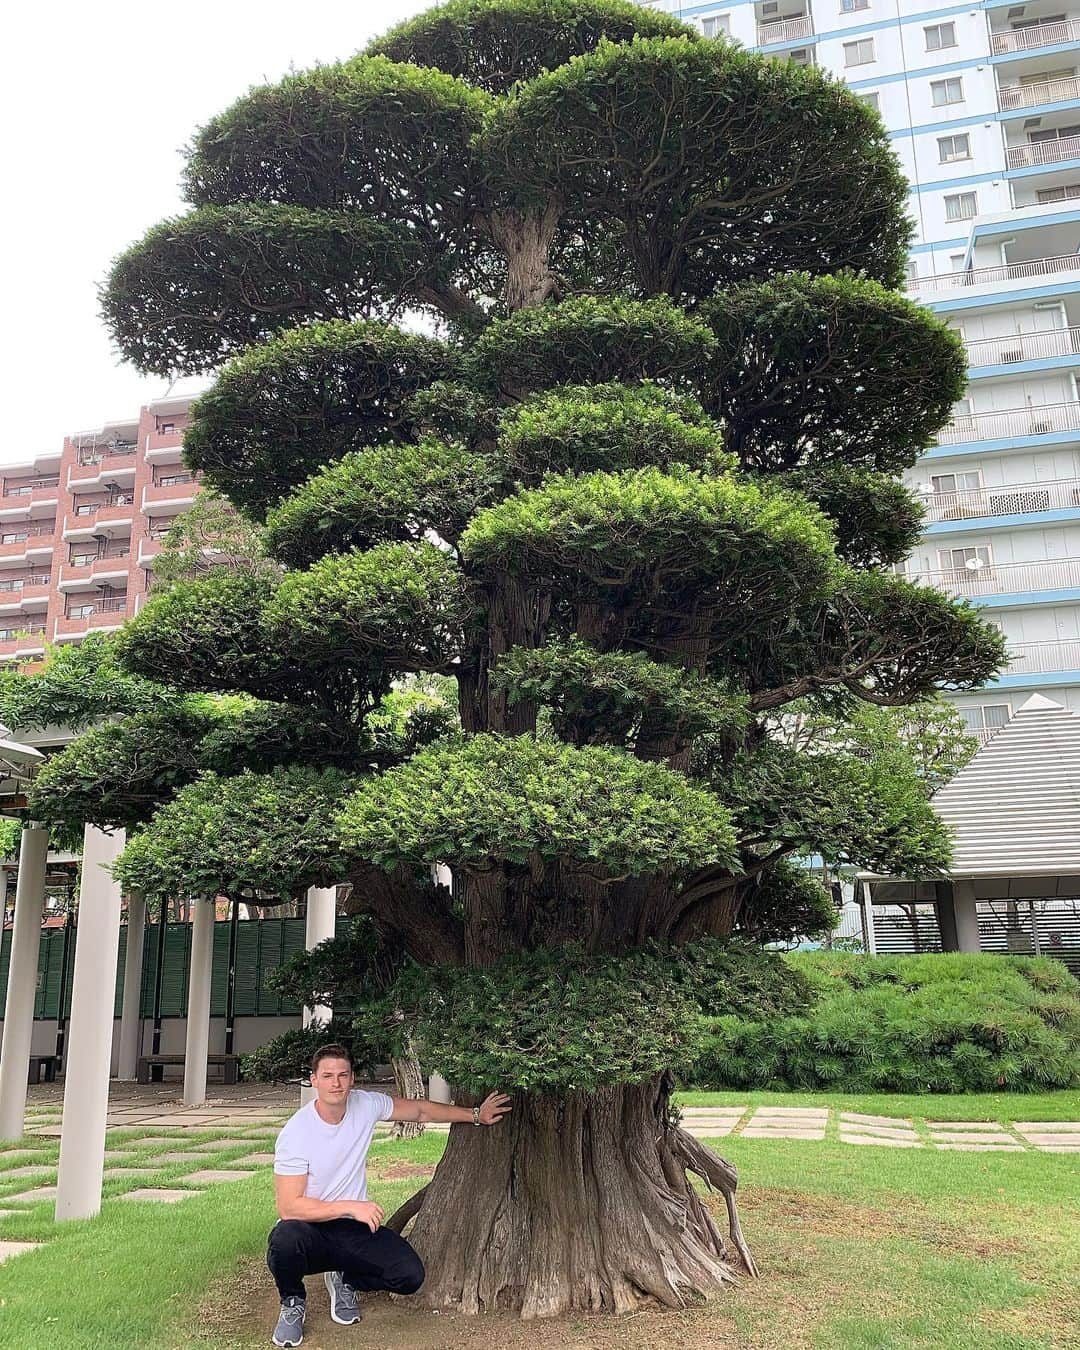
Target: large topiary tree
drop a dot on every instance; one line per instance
(632, 487)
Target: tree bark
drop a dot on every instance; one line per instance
(409, 1081)
(575, 1204)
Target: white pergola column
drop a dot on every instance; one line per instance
(22, 979)
(321, 925)
(967, 916)
(89, 1047)
(197, 1044)
(130, 1022)
(868, 914)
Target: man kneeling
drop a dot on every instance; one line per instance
(327, 1225)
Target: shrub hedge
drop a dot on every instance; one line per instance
(936, 1023)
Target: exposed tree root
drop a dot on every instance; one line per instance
(401, 1216)
(577, 1204)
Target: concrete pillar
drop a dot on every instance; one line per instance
(321, 925)
(22, 980)
(197, 1045)
(89, 1047)
(967, 918)
(130, 1022)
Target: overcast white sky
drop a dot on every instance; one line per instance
(97, 102)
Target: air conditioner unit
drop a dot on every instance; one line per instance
(1011, 354)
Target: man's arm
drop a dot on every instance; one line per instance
(292, 1203)
(492, 1110)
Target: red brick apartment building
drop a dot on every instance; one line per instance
(79, 530)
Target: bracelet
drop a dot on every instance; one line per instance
(476, 1115)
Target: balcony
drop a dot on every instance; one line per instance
(149, 548)
(1044, 658)
(785, 30)
(1024, 346)
(1011, 499)
(1038, 35)
(95, 516)
(1048, 574)
(1043, 152)
(180, 491)
(1042, 420)
(983, 276)
(1013, 97)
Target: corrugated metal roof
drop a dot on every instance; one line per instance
(1015, 808)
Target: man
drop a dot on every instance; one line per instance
(327, 1225)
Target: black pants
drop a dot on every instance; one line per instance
(367, 1260)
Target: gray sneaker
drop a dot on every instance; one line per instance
(344, 1300)
(290, 1325)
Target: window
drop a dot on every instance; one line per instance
(80, 611)
(716, 25)
(1054, 134)
(956, 262)
(954, 147)
(858, 53)
(850, 6)
(872, 100)
(16, 537)
(944, 92)
(174, 479)
(985, 718)
(960, 206)
(1065, 193)
(82, 559)
(956, 482)
(940, 35)
(86, 509)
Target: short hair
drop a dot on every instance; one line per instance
(331, 1051)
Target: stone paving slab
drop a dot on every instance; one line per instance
(986, 1148)
(167, 1159)
(707, 1131)
(219, 1145)
(883, 1141)
(794, 1112)
(971, 1137)
(32, 1197)
(148, 1141)
(48, 1131)
(161, 1194)
(1052, 1140)
(791, 1132)
(34, 1170)
(878, 1131)
(113, 1172)
(892, 1122)
(21, 1153)
(216, 1174)
(8, 1249)
(254, 1160)
(974, 1125)
(1048, 1126)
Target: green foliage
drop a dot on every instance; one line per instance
(201, 287)
(387, 493)
(286, 1058)
(396, 607)
(944, 1023)
(79, 683)
(262, 836)
(552, 1021)
(342, 973)
(711, 164)
(284, 408)
(878, 520)
(582, 428)
(649, 533)
(496, 798)
(10, 836)
(787, 904)
(875, 374)
(588, 340)
(617, 698)
(211, 535)
(495, 43)
(117, 774)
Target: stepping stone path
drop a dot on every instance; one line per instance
(216, 1174)
(218, 1145)
(34, 1170)
(16, 1248)
(254, 1160)
(33, 1197)
(160, 1194)
(973, 1136)
(112, 1172)
(168, 1159)
(1052, 1136)
(712, 1122)
(787, 1122)
(879, 1131)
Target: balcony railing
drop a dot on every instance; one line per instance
(982, 276)
(1049, 574)
(24, 583)
(991, 426)
(1004, 351)
(1038, 35)
(47, 527)
(1043, 152)
(28, 489)
(1011, 499)
(1014, 96)
(1044, 658)
(784, 30)
(106, 604)
(97, 453)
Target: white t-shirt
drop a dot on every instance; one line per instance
(333, 1157)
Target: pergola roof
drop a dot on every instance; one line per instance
(1014, 809)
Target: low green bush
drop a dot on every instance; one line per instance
(937, 1023)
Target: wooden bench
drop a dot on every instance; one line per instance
(229, 1065)
(39, 1062)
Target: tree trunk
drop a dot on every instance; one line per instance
(576, 1204)
(409, 1080)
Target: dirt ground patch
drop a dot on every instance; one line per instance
(400, 1171)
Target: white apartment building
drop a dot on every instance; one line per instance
(982, 102)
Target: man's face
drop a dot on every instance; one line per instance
(332, 1081)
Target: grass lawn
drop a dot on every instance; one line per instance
(1062, 1105)
(860, 1248)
